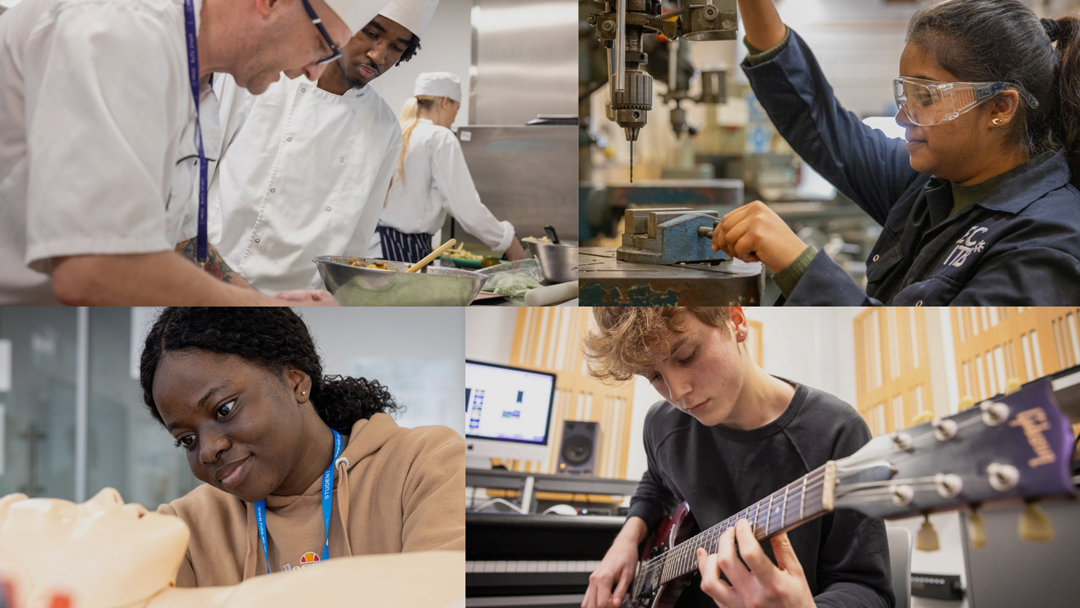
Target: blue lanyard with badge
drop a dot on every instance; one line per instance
(327, 492)
(193, 74)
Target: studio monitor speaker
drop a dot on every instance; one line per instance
(580, 443)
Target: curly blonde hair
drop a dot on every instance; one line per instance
(626, 341)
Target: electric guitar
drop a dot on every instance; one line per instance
(1007, 449)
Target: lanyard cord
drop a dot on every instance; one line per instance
(193, 74)
(327, 505)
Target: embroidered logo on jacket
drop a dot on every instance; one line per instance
(306, 560)
(966, 246)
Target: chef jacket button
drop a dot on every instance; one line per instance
(327, 208)
(272, 190)
(288, 139)
(342, 159)
(877, 257)
(303, 89)
(256, 239)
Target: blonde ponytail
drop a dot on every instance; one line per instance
(408, 119)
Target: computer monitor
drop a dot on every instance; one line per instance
(507, 413)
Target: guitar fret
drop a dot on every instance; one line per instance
(682, 559)
(802, 503)
(783, 510)
(768, 514)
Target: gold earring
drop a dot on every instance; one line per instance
(303, 392)
(998, 122)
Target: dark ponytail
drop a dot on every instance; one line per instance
(1003, 40)
(1068, 87)
(274, 338)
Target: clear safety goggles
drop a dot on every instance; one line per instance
(928, 102)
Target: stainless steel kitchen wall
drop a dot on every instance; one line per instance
(525, 175)
(524, 60)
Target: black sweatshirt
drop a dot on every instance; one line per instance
(720, 471)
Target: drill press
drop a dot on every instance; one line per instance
(621, 26)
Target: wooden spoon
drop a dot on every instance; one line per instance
(431, 256)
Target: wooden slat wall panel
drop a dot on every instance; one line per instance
(892, 370)
(549, 339)
(995, 344)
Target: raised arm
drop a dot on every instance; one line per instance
(870, 168)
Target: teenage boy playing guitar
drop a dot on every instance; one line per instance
(727, 435)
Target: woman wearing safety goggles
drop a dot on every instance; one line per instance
(976, 206)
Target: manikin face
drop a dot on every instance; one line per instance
(239, 423)
(289, 42)
(957, 149)
(113, 554)
(373, 50)
(705, 372)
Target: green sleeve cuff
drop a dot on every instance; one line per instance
(758, 56)
(789, 277)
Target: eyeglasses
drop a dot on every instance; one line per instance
(928, 102)
(334, 51)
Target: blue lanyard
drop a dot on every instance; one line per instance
(327, 492)
(193, 74)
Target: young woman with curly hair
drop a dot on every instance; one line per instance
(298, 466)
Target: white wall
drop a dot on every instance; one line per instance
(418, 354)
(446, 46)
(489, 333)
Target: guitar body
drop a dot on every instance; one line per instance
(672, 531)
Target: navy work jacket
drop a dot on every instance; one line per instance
(1019, 246)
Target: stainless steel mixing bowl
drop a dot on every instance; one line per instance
(432, 286)
(559, 263)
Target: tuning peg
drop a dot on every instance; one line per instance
(977, 529)
(926, 539)
(966, 403)
(1012, 385)
(1035, 525)
(923, 418)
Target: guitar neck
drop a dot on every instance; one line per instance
(810, 497)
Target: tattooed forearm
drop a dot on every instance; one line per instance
(214, 265)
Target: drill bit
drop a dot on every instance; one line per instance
(631, 161)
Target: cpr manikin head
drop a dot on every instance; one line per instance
(438, 97)
(694, 357)
(102, 552)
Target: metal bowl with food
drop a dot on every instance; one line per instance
(354, 284)
(559, 262)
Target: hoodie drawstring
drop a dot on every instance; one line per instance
(342, 465)
(251, 560)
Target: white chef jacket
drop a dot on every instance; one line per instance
(437, 182)
(97, 135)
(305, 175)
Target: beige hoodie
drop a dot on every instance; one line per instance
(403, 492)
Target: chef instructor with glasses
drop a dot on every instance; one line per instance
(978, 206)
(107, 124)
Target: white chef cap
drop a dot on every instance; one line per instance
(413, 15)
(356, 13)
(438, 84)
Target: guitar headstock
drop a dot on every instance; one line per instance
(1009, 448)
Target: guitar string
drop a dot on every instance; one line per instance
(752, 514)
(844, 469)
(915, 441)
